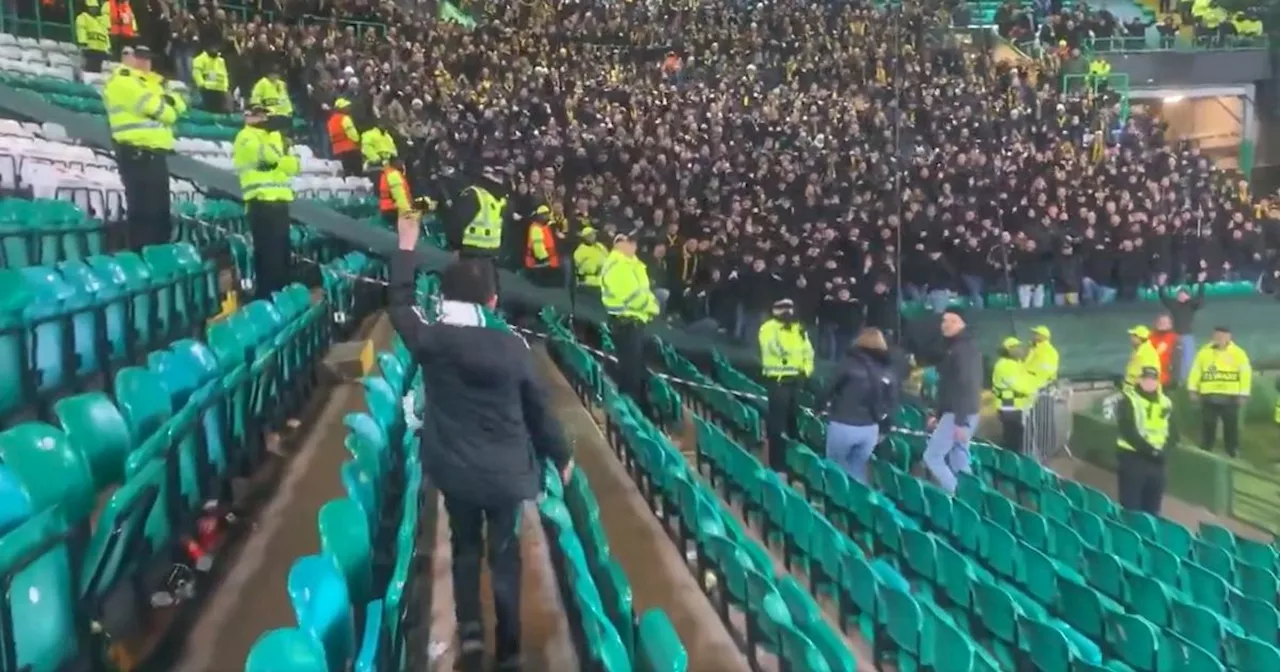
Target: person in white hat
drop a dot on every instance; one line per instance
(786, 361)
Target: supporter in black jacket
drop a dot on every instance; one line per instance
(485, 432)
(1067, 276)
(860, 400)
(959, 398)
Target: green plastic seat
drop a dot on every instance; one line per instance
(615, 594)
(286, 650)
(1067, 546)
(41, 599)
(14, 295)
(345, 537)
(1248, 654)
(1180, 655)
(322, 607)
(658, 647)
(1135, 641)
(801, 654)
(1256, 616)
(53, 472)
(903, 623)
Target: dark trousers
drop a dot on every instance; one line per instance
(352, 163)
(145, 174)
(391, 218)
(272, 260)
(546, 277)
(1012, 430)
(1219, 408)
(93, 60)
(213, 101)
(630, 372)
(467, 527)
(781, 419)
(1140, 481)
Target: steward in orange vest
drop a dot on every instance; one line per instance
(345, 139)
(393, 193)
(541, 260)
(123, 25)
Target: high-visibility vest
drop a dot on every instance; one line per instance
(210, 72)
(393, 192)
(1152, 419)
(273, 96)
(1013, 384)
(1165, 342)
(343, 136)
(1042, 362)
(540, 252)
(123, 21)
(377, 146)
(785, 350)
(624, 288)
(139, 111)
(485, 230)
(588, 262)
(1144, 356)
(263, 165)
(93, 32)
(1221, 371)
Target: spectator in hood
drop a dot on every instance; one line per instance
(859, 402)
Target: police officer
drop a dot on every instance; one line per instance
(1222, 378)
(394, 200)
(1014, 386)
(475, 223)
(93, 34)
(271, 93)
(588, 259)
(786, 360)
(1145, 434)
(1042, 357)
(631, 304)
(486, 435)
(209, 70)
(377, 147)
(142, 115)
(1144, 355)
(266, 167)
(541, 253)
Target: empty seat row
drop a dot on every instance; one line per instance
(62, 325)
(158, 447)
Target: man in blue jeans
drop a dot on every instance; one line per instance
(959, 393)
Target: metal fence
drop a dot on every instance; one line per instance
(1047, 424)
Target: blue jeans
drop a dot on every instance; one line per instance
(938, 300)
(973, 287)
(1097, 293)
(1186, 356)
(851, 447)
(1031, 296)
(944, 456)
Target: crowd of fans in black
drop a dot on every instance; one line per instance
(843, 155)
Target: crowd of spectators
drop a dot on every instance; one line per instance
(833, 153)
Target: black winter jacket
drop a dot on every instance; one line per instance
(486, 422)
(960, 378)
(864, 392)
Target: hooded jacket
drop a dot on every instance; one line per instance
(486, 424)
(864, 392)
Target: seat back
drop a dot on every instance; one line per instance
(51, 297)
(286, 650)
(94, 425)
(360, 489)
(53, 471)
(346, 538)
(322, 606)
(658, 648)
(118, 541)
(35, 574)
(143, 401)
(14, 296)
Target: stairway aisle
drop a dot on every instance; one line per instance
(659, 575)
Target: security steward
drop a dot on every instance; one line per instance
(1042, 357)
(266, 167)
(344, 139)
(588, 259)
(1144, 355)
(209, 69)
(394, 200)
(271, 93)
(93, 34)
(1145, 435)
(786, 361)
(541, 257)
(123, 25)
(377, 147)
(487, 432)
(1222, 378)
(631, 304)
(142, 115)
(1014, 386)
